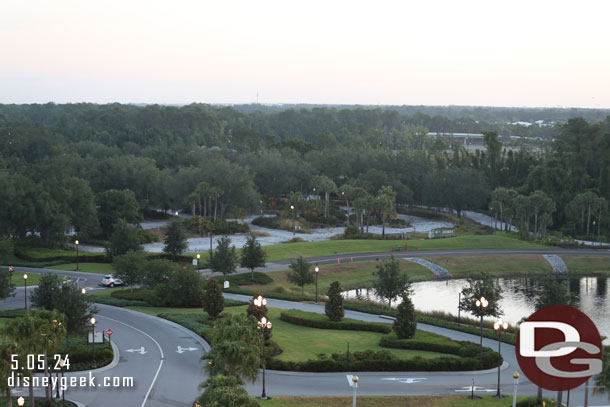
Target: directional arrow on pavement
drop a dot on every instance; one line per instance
(407, 380)
(141, 351)
(182, 350)
(475, 388)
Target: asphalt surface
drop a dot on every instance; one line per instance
(164, 376)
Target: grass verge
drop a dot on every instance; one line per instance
(496, 265)
(99, 268)
(396, 401)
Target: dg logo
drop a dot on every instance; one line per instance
(558, 348)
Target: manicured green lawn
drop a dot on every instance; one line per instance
(588, 265)
(336, 247)
(350, 275)
(379, 401)
(496, 265)
(301, 343)
(18, 280)
(287, 251)
(100, 268)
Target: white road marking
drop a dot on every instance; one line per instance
(182, 350)
(160, 362)
(476, 388)
(407, 380)
(141, 351)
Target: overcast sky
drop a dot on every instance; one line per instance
(500, 53)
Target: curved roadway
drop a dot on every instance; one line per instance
(164, 358)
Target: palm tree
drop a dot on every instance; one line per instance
(324, 184)
(6, 350)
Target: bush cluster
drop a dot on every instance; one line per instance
(83, 257)
(138, 294)
(311, 320)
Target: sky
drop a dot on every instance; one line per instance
(492, 53)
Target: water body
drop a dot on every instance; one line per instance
(519, 297)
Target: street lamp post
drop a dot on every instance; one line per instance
(62, 363)
(76, 243)
(294, 232)
(317, 269)
(500, 326)
(355, 381)
(198, 257)
(25, 286)
(594, 238)
(92, 320)
(265, 327)
(481, 303)
(515, 383)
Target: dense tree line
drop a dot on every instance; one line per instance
(85, 167)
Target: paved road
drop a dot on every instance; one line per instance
(163, 374)
(179, 374)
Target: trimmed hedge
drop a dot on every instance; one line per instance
(417, 364)
(320, 321)
(269, 294)
(507, 337)
(138, 294)
(83, 257)
(12, 313)
(109, 300)
(246, 279)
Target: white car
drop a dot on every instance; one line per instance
(110, 281)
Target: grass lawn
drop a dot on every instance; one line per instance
(17, 278)
(496, 265)
(397, 401)
(301, 343)
(350, 275)
(99, 268)
(588, 265)
(336, 247)
(288, 251)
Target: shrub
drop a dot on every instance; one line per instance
(245, 279)
(321, 322)
(116, 302)
(184, 289)
(406, 320)
(146, 236)
(138, 294)
(334, 306)
(213, 301)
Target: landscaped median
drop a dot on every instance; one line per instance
(426, 351)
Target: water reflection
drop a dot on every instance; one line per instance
(519, 297)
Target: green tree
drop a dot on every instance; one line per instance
(325, 185)
(385, 207)
(334, 306)
(7, 249)
(494, 148)
(235, 348)
(183, 289)
(405, 324)
(158, 271)
(301, 274)
(114, 205)
(65, 297)
(45, 295)
(175, 239)
(6, 371)
(482, 286)
(124, 238)
(252, 255)
(225, 259)
(224, 391)
(390, 283)
(7, 288)
(213, 301)
(542, 206)
(74, 305)
(130, 267)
